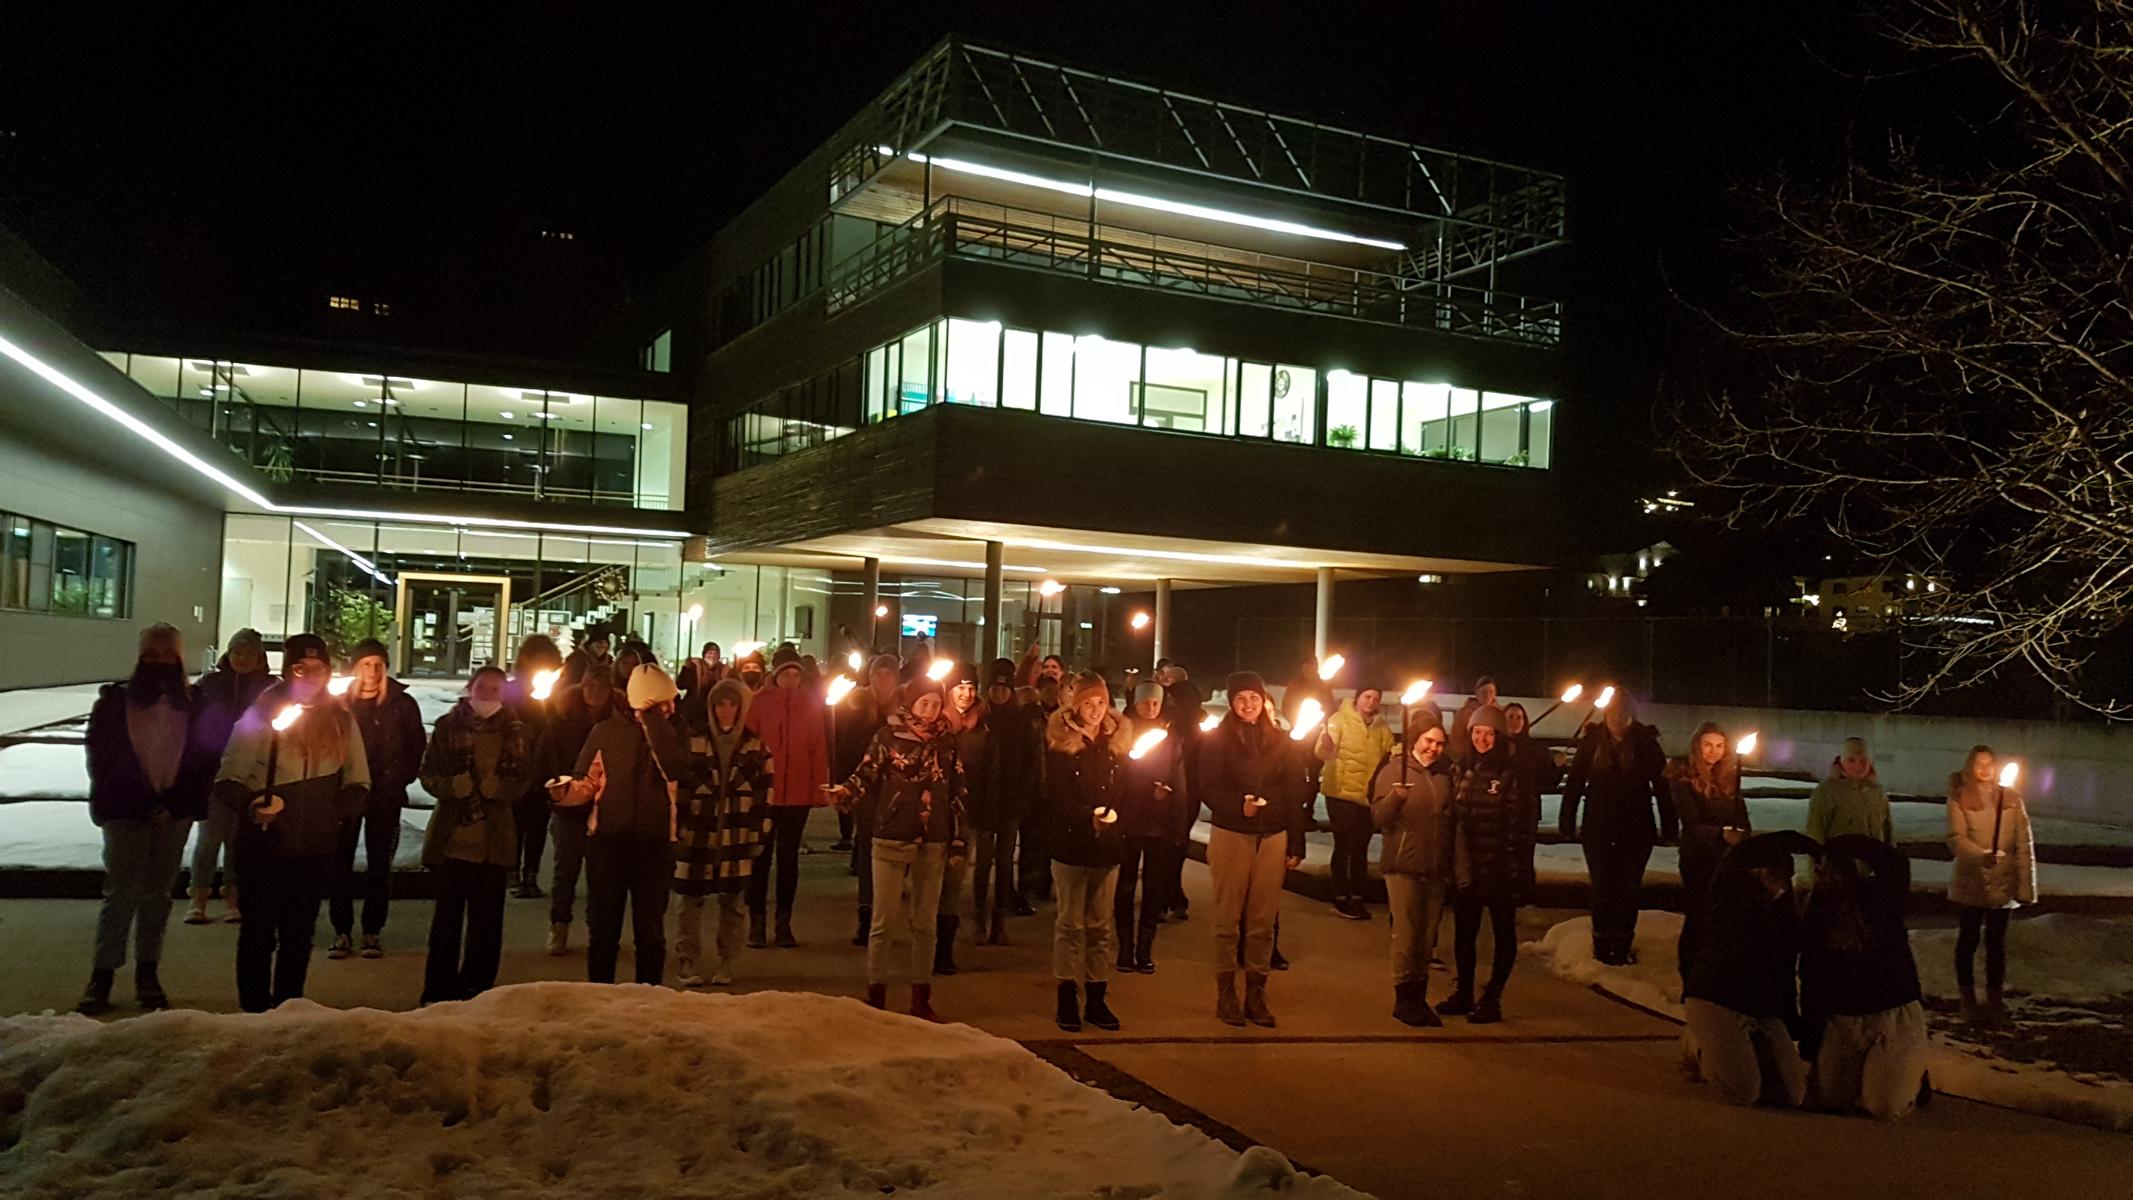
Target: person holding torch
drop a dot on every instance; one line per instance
(1085, 743)
(1704, 787)
(393, 740)
(532, 698)
(1157, 826)
(295, 770)
(1351, 744)
(1410, 802)
(1995, 872)
(1252, 782)
(1492, 831)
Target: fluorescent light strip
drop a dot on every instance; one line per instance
(1157, 203)
(68, 384)
(950, 562)
(1235, 560)
(353, 557)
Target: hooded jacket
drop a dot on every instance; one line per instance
(1493, 831)
(1083, 772)
(1239, 760)
(1620, 782)
(724, 817)
(643, 766)
(2011, 881)
(119, 787)
(1843, 806)
(1417, 827)
(910, 789)
(394, 741)
(1358, 747)
(794, 729)
(1855, 954)
(321, 775)
(476, 768)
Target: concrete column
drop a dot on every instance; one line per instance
(990, 640)
(1322, 631)
(1162, 620)
(873, 586)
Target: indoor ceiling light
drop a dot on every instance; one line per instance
(1540, 406)
(353, 557)
(1238, 560)
(506, 416)
(951, 562)
(1157, 203)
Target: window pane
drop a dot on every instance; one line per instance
(40, 591)
(107, 576)
(1500, 428)
(1183, 391)
(974, 363)
(1106, 376)
(1540, 433)
(1055, 395)
(1347, 408)
(1254, 399)
(1295, 403)
(70, 571)
(1466, 422)
(1426, 419)
(877, 384)
(915, 390)
(15, 583)
(159, 376)
(1384, 414)
(1019, 388)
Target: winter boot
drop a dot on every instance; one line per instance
(1099, 1013)
(533, 886)
(1255, 1009)
(558, 939)
(230, 915)
(944, 944)
(1069, 1017)
(1410, 1005)
(1995, 1005)
(1489, 1009)
(922, 1003)
(878, 995)
(1227, 1010)
(996, 932)
(96, 998)
(1144, 950)
(1125, 953)
(1972, 1013)
(342, 947)
(1279, 963)
(197, 914)
(866, 922)
(518, 886)
(784, 940)
(758, 929)
(148, 987)
(1460, 1002)
(372, 947)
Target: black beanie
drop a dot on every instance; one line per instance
(302, 646)
(1002, 673)
(368, 648)
(1246, 681)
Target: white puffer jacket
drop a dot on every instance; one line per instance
(2011, 880)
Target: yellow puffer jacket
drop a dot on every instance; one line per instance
(1357, 750)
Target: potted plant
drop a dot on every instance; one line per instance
(1341, 437)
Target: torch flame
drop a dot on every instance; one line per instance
(339, 684)
(544, 683)
(1210, 722)
(1745, 746)
(839, 688)
(1607, 697)
(1140, 620)
(287, 717)
(2010, 773)
(1571, 693)
(1331, 667)
(940, 668)
(857, 660)
(881, 610)
(744, 649)
(1146, 742)
(1307, 718)
(1415, 692)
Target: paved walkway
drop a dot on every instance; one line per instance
(1573, 1095)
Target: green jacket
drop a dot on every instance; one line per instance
(473, 796)
(1842, 806)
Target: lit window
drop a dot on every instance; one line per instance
(347, 302)
(382, 309)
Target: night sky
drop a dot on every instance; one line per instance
(230, 173)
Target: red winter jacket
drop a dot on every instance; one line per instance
(794, 727)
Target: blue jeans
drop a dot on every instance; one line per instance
(141, 860)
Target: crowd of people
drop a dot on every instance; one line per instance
(988, 791)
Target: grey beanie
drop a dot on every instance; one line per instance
(1150, 690)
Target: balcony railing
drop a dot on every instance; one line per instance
(953, 226)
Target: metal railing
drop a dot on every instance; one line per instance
(954, 226)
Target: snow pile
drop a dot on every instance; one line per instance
(2059, 956)
(45, 770)
(1651, 982)
(559, 1089)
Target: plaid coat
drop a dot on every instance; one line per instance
(721, 822)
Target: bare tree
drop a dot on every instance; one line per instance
(1942, 358)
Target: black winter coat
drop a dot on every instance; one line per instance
(1750, 950)
(1855, 954)
(393, 740)
(1238, 760)
(1082, 775)
(1150, 812)
(1621, 785)
(1493, 821)
(1013, 767)
(118, 787)
(1703, 819)
(224, 697)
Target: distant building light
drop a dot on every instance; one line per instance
(382, 309)
(1109, 591)
(1429, 578)
(347, 302)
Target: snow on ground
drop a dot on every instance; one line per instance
(566, 1089)
(1957, 1069)
(1915, 822)
(47, 771)
(58, 835)
(2058, 956)
(28, 708)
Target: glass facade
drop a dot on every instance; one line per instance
(427, 434)
(984, 364)
(50, 568)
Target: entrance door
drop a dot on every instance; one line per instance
(451, 624)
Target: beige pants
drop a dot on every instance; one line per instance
(1248, 870)
(1875, 1062)
(725, 938)
(1730, 1049)
(1417, 906)
(1082, 934)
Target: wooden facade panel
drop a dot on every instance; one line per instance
(873, 478)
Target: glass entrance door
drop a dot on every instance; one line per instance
(451, 624)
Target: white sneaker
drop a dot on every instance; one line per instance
(721, 977)
(343, 946)
(685, 973)
(372, 947)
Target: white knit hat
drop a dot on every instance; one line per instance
(649, 685)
